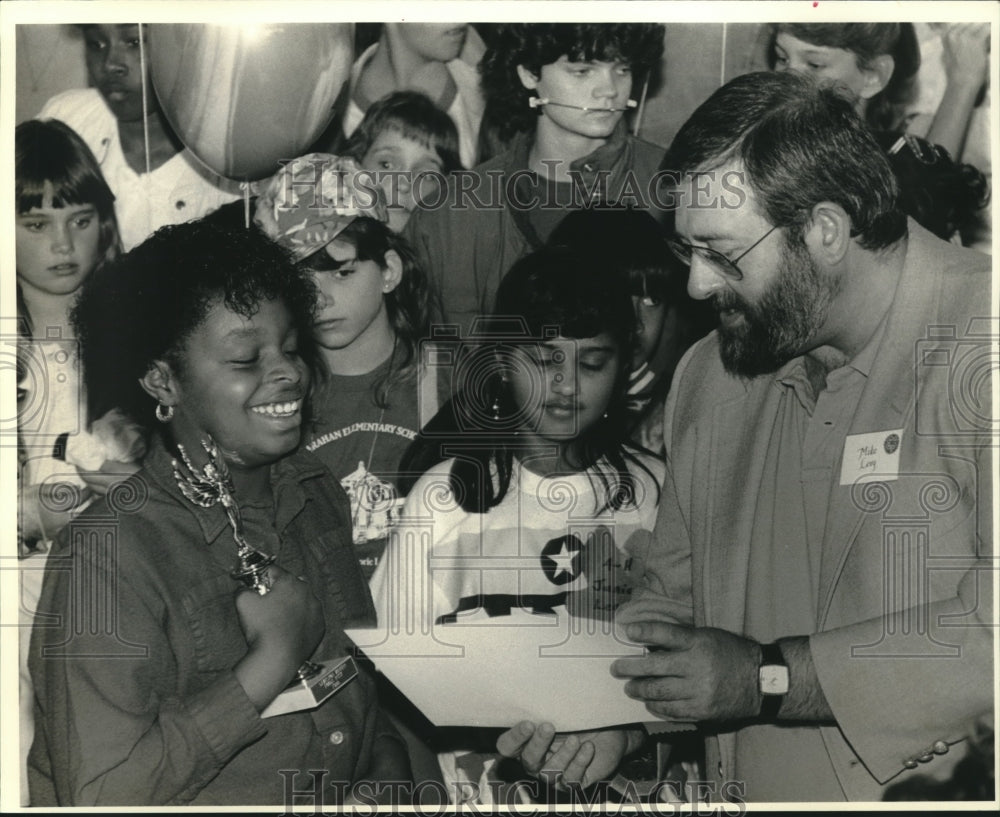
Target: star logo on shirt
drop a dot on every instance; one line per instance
(564, 559)
(559, 558)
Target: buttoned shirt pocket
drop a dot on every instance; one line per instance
(216, 634)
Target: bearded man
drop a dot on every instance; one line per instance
(827, 510)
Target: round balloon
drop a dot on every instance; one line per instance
(243, 97)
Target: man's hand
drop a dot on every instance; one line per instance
(573, 758)
(692, 673)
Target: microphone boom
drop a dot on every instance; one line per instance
(540, 101)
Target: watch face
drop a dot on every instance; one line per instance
(774, 679)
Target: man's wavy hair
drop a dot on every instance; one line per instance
(799, 145)
(533, 45)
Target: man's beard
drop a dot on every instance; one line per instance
(779, 326)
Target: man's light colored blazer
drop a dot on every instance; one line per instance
(903, 651)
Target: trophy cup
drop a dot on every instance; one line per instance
(313, 682)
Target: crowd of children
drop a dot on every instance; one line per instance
(307, 344)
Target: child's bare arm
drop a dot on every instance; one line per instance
(574, 758)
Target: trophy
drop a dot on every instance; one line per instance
(313, 683)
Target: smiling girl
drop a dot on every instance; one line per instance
(203, 333)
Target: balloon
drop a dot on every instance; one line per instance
(242, 97)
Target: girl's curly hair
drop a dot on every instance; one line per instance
(144, 306)
(939, 193)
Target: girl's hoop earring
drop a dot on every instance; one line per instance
(164, 413)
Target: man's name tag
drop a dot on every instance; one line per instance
(872, 457)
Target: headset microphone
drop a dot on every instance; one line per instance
(540, 101)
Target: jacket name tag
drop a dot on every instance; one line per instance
(872, 457)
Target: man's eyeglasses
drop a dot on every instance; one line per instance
(727, 266)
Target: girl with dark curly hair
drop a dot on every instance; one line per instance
(155, 675)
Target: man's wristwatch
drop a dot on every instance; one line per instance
(773, 680)
(59, 449)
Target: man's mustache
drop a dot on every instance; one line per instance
(728, 300)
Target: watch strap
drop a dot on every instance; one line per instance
(59, 449)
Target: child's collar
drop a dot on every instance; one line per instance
(601, 158)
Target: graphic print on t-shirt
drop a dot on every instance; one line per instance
(582, 570)
(560, 559)
(375, 504)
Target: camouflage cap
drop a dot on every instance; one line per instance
(312, 199)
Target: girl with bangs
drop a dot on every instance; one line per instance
(534, 465)
(64, 229)
(409, 146)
